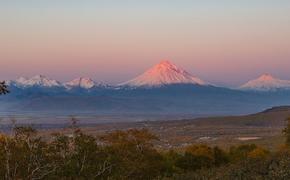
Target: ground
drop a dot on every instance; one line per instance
(264, 129)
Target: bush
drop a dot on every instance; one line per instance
(134, 155)
(131, 154)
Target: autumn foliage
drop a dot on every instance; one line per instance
(130, 154)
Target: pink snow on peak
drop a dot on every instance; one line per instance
(164, 73)
(266, 77)
(266, 82)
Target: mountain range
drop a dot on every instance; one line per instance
(162, 90)
(164, 73)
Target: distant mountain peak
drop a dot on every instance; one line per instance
(83, 82)
(266, 82)
(39, 76)
(266, 77)
(164, 73)
(21, 79)
(166, 64)
(37, 80)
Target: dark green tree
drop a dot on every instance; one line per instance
(241, 152)
(220, 157)
(196, 157)
(3, 88)
(133, 154)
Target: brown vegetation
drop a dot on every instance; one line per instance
(131, 154)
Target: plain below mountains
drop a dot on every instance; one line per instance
(263, 128)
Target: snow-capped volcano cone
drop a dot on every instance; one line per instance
(266, 82)
(164, 73)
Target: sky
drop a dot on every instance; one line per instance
(225, 42)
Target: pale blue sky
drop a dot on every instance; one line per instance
(224, 42)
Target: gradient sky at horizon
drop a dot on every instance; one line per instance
(225, 42)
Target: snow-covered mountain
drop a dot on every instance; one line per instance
(38, 80)
(266, 82)
(86, 83)
(164, 73)
(45, 82)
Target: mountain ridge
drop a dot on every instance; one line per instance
(164, 73)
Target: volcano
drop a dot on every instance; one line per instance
(164, 73)
(266, 82)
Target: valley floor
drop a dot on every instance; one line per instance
(264, 129)
(184, 132)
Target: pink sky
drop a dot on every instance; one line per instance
(224, 43)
